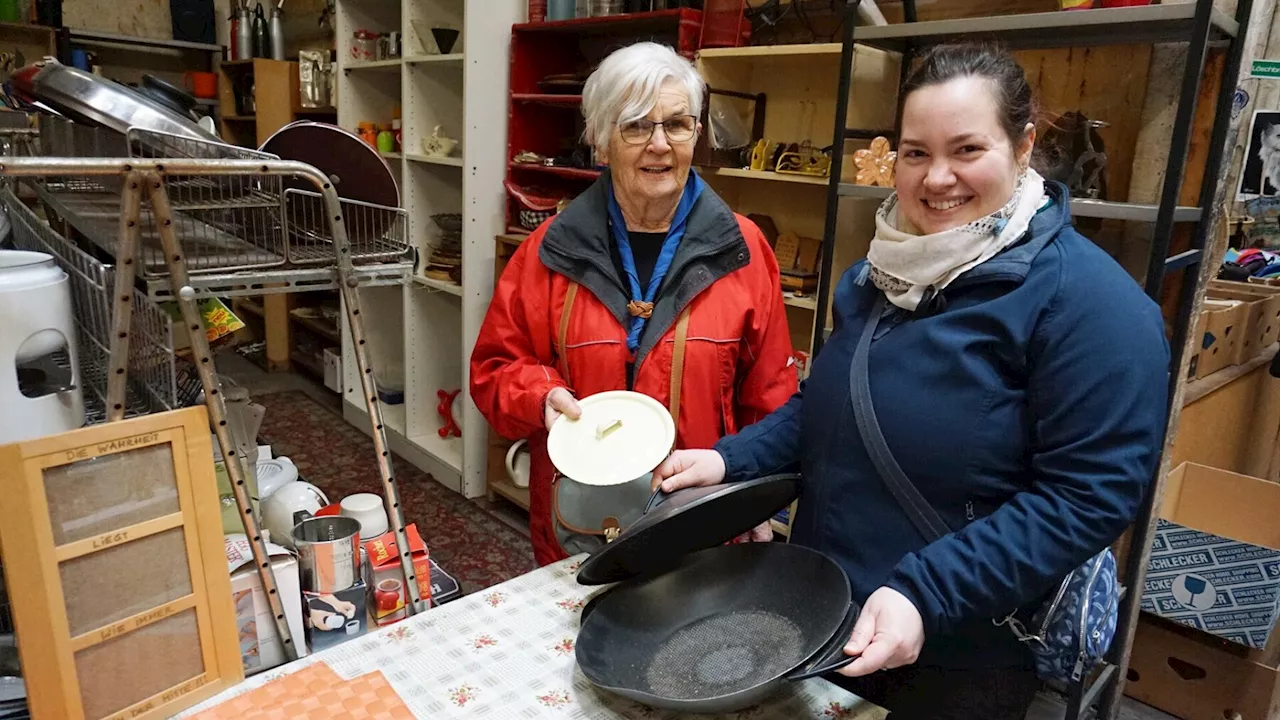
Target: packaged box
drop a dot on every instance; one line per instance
(231, 522)
(336, 617)
(260, 647)
(385, 577)
(333, 369)
(1193, 675)
(1214, 566)
(1220, 325)
(1262, 322)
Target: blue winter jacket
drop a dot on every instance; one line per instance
(1027, 402)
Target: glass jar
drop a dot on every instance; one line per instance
(364, 45)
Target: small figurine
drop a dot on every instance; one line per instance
(876, 164)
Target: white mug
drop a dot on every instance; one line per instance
(518, 464)
(367, 509)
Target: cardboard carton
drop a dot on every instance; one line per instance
(1214, 564)
(1220, 325)
(385, 577)
(260, 647)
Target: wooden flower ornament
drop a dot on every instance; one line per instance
(875, 164)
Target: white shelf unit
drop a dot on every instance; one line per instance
(423, 332)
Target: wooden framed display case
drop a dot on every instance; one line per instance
(113, 555)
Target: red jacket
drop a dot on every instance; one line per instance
(738, 358)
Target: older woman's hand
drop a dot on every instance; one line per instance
(559, 402)
(889, 634)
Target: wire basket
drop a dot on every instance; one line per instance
(152, 384)
(225, 223)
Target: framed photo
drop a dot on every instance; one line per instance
(1261, 174)
(113, 555)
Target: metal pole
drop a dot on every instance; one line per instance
(833, 187)
(1187, 96)
(214, 403)
(1190, 300)
(122, 308)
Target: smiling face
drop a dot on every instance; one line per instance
(956, 163)
(655, 170)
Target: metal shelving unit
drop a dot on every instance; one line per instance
(1199, 25)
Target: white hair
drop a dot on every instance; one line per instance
(625, 87)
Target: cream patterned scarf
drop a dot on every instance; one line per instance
(904, 264)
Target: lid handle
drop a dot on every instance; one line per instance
(605, 428)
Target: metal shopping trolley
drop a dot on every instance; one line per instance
(170, 218)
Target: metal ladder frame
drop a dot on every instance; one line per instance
(146, 178)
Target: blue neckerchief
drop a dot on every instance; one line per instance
(618, 227)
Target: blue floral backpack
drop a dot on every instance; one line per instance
(1071, 631)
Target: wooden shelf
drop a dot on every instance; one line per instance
(766, 176)
(451, 57)
(558, 171)
(390, 64)
(308, 363)
(807, 302)
(623, 23)
(319, 327)
(451, 288)
(253, 307)
(825, 50)
(446, 450)
(504, 487)
(547, 99)
(435, 159)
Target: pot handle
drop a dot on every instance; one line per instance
(831, 657)
(655, 499)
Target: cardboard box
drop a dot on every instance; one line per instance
(1192, 675)
(1220, 325)
(336, 617)
(385, 577)
(1214, 566)
(1262, 324)
(260, 647)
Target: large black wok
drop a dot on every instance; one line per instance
(720, 629)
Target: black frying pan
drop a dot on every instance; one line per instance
(722, 631)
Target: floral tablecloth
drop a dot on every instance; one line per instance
(507, 652)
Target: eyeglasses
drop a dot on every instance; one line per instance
(680, 128)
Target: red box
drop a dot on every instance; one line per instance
(385, 577)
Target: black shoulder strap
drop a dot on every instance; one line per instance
(926, 519)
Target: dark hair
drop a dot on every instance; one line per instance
(944, 63)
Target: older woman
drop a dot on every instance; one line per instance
(1018, 376)
(646, 266)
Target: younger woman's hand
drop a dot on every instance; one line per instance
(689, 468)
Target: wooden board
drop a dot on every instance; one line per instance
(112, 546)
(140, 18)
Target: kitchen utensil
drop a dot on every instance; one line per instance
(620, 436)
(445, 38)
(201, 84)
(169, 95)
(357, 171)
(98, 101)
(275, 33)
(244, 31)
(366, 509)
(387, 595)
(261, 36)
(518, 463)
(559, 9)
(274, 474)
(278, 509)
(39, 375)
(328, 552)
(719, 629)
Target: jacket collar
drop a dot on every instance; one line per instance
(577, 245)
(1015, 262)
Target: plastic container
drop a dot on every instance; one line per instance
(386, 141)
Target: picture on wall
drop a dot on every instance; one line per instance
(1261, 175)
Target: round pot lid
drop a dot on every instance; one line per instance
(686, 521)
(620, 436)
(357, 171)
